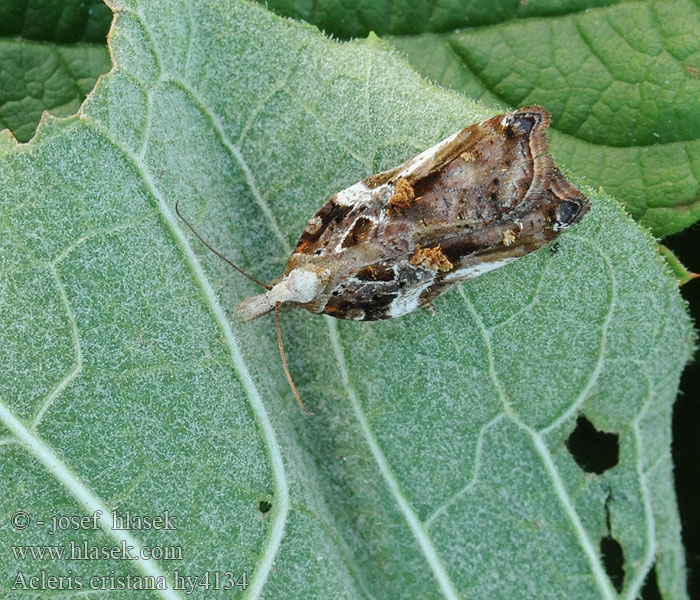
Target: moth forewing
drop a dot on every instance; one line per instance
(395, 241)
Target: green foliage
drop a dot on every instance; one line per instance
(51, 53)
(401, 17)
(437, 454)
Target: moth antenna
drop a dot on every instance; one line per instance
(215, 251)
(285, 366)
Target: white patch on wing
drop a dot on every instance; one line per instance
(408, 300)
(476, 270)
(427, 155)
(313, 225)
(358, 193)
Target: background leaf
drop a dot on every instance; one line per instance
(438, 451)
(51, 54)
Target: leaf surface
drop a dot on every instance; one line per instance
(437, 453)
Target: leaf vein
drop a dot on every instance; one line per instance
(635, 586)
(475, 476)
(240, 159)
(268, 434)
(598, 368)
(278, 86)
(80, 491)
(417, 528)
(77, 365)
(589, 550)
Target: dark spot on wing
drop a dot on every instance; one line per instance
(427, 183)
(359, 233)
(329, 214)
(567, 211)
(457, 249)
(376, 273)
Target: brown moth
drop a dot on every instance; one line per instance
(395, 241)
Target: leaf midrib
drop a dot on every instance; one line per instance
(276, 531)
(75, 487)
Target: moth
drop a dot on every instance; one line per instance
(395, 241)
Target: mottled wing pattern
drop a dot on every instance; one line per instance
(474, 202)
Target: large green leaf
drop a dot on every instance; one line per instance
(620, 78)
(51, 54)
(400, 17)
(436, 464)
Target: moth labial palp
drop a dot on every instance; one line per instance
(396, 240)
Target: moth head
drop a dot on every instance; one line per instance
(566, 212)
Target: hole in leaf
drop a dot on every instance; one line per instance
(650, 591)
(264, 506)
(613, 560)
(594, 451)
